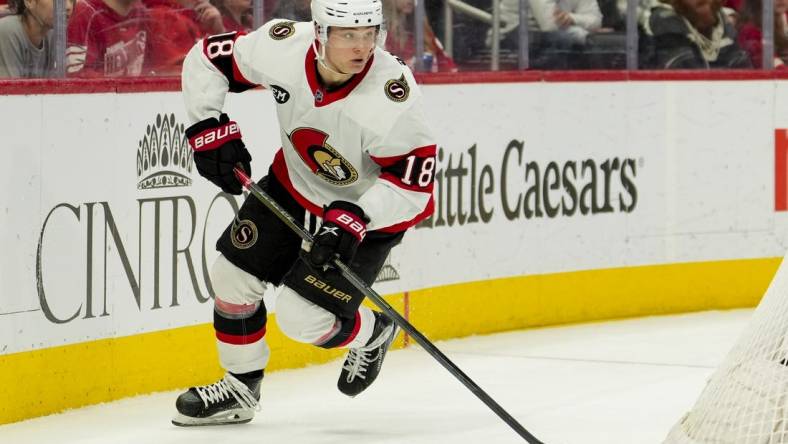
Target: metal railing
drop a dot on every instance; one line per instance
(493, 19)
(450, 8)
(767, 29)
(60, 38)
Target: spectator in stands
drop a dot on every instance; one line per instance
(693, 34)
(568, 20)
(5, 9)
(401, 41)
(296, 10)
(236, 14)
(573, 19)
(558, 29)
(613, 16)
(26, 39)
(174, 26)
(207, 15)
(108, 38)
(750, 34)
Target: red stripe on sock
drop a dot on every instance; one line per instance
(354, 333)
(331, 333)
(240, 339)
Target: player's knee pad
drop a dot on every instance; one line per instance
(305, 321)
(302, 320)
(238, 293)
(327, 289)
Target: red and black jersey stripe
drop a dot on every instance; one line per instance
(414, 171)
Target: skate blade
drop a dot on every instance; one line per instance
(227, 418)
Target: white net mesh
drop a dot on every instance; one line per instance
(744, 402)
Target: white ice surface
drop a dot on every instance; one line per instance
(615, 382)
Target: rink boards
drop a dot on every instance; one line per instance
(555, 203)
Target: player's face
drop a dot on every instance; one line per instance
(349, 49)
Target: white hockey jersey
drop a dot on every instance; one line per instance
(365, 142)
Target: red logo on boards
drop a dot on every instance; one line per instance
(781, 170)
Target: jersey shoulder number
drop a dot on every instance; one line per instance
(220, 51)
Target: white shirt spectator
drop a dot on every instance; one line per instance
(584, 15)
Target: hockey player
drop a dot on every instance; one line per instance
(355, 153)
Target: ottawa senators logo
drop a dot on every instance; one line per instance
(312, 145)
(243, 234)
(397, 90)
(281, 31)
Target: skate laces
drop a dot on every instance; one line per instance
(358, 358)
(226, 387)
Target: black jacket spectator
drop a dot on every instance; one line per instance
(692, 34)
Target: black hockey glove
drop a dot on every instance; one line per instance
(217, 149)
(344, 227)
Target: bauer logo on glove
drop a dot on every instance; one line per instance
(215, 137)
(218, 148)
(344, 227)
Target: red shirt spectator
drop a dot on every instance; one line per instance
(750, 36)
(401, 38)
(736, 5)
(231, 25)
(173, 31)
(404, 47)
(175, 26)
(236, 14)
(107, 38)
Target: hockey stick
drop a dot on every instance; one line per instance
(425, 343)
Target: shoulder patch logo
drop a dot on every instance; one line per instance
(281, 31)
(243, 234)
(280, 94)
(397, 90)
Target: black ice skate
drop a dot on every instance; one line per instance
(231, 400)
(362, 365)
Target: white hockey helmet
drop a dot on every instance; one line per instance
(347, 14)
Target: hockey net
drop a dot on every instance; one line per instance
(746, 400)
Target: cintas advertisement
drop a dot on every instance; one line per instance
(144, 245)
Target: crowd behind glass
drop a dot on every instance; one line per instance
(111, 38)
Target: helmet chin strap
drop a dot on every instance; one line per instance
(323, 63)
